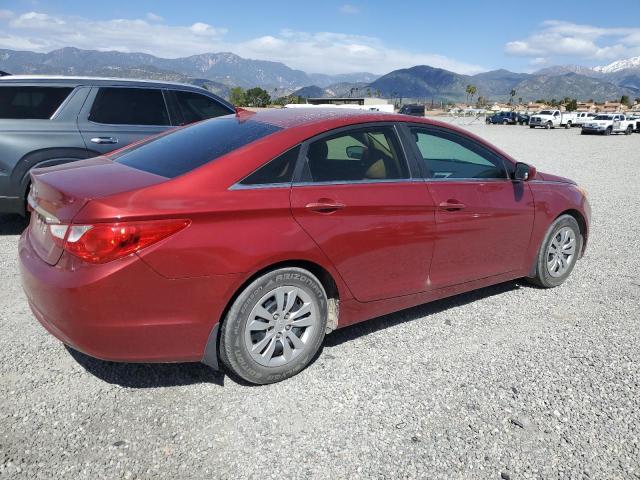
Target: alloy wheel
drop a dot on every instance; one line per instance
(280, 326)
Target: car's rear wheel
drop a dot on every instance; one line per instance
(558, 252)
(567, 125)
(275, 327)
(629, 130)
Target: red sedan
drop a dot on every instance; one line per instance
(247, 238)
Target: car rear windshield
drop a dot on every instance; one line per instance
(181, 151)
(603, 117)
(31, 102)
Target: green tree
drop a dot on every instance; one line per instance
(625, 100)
(237, 97)
(512, 94)
(257, 97)
(571, 105)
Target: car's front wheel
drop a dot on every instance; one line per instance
(558, 252)
(275, 327)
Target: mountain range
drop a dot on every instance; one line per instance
(219, 72)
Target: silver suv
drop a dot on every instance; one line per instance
(46, 121)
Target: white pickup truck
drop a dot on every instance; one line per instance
(583, 117)
(552, 119)
(608, 123)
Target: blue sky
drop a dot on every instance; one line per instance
(335, 36)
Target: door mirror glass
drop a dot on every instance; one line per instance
(522, 172)
(355, 152)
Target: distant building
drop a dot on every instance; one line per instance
(586, 107)
(348, 101)
(612, 107)
(536, 107)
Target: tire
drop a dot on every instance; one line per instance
(629, 130)
(567, 125)
(269, 364)
(608, 131)
(504, 122)
(549, 272)
(548, 125)
(531, 126)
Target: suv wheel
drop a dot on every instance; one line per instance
(275, 327)
(548, 125)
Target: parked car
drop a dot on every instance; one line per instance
(552, 119)
(414, 110)
(634, 118)
(246, 238)
(582, 117)
(52, 120)
(508, 118)
(606, 124)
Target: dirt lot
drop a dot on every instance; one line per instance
(510, 381)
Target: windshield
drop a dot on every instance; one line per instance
(546, 112)
(186, 149)
(602, 117)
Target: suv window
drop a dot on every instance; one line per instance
(357, 155)
(31, 102)
(450, 156)
(278, 170)
(129, 106)
(195, 107)
(180, 151)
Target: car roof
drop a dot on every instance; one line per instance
(76, 81)
(326, 117)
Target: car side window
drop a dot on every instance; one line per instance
(366, 154)
(279, 170)
(451, 156)
(31, 102)
(129, 106)
(195, 107)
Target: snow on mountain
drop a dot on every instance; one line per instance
(616, 66)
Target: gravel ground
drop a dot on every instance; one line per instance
(507, 382)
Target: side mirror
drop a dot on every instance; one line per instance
(355, 152)
(523, 172)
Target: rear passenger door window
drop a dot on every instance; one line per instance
(193, 107)
(446, 155)
(113, 117)
(370, 154)
(129, 106)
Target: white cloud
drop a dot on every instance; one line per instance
(566, 39)
(154, 17)
(326, 52)
(538, 61)
(349, 9)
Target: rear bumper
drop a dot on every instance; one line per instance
(123, 310)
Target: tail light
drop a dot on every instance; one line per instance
(104, 242)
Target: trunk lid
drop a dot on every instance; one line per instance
(59, 193)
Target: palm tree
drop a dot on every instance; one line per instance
(473, 90)
(512, 94)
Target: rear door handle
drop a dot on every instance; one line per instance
(325, 207)
(104, 140)
(451, 206)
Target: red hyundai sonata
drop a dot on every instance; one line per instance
(245, 239)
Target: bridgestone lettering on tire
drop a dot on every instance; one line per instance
(275, 327)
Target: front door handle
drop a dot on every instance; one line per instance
(105, 140)
(451, 206)
(325, 206)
